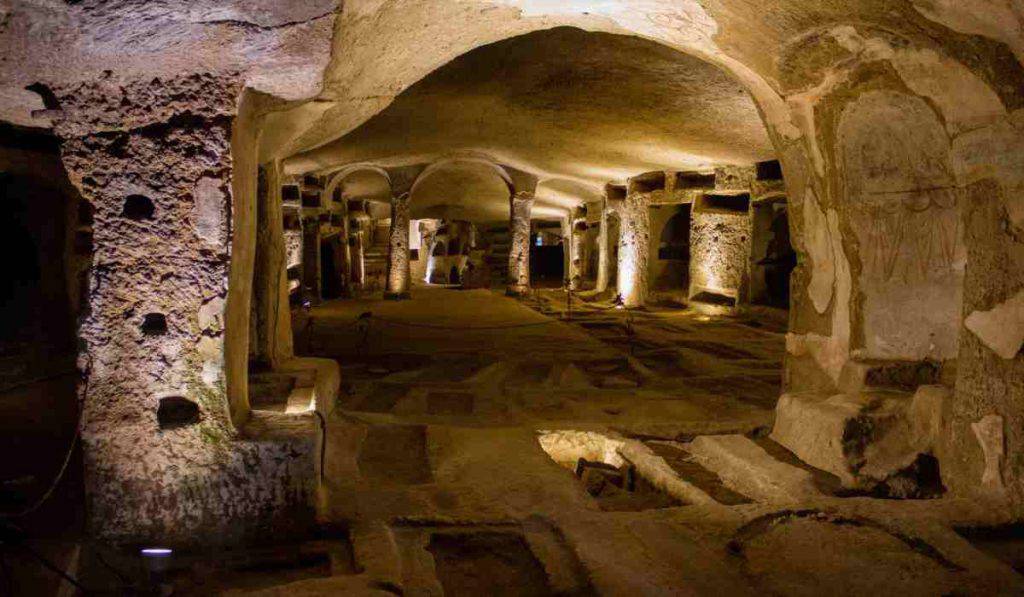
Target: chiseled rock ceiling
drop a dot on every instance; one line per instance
(565, 105)
(400, 79)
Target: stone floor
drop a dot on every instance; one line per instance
(465, 414)
(475, 357)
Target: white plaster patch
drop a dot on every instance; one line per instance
(870, 48)
(210, 348)
(830, 352)
(965, 101)
(211, 373)
(211, 314)
(1002, 328)
(208, 210)
(989, 431)
(823, 274)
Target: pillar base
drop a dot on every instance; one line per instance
(517, 291)
(397, 296)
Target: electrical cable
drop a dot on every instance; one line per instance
(36, 380)
(67, 457)
(53, 568)
(11, 535)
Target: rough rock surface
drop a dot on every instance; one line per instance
(719, 252)
(864, 439)
(634, 237)
(152, 144)
(519, 253)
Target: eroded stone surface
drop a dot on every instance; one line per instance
(196, 479)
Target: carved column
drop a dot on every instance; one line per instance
(312, 284)
(577, 248)
(603, 258)
(519, 253)
(634, 233)
(355, 243)
(398, 274)
(273, 336)
(346, 252)
(172, 453)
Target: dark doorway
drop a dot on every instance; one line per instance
(330, 270)
(547, 265)
(774, 258)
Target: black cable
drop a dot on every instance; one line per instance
(14, 537)
(35, 380)
(53, 568)
(67, 457)
(108, 566)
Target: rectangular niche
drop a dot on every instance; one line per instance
(732, 204)
(694, 180)
(290, 193)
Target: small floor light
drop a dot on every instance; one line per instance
(157, 560)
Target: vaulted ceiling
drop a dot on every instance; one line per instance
(577, 109)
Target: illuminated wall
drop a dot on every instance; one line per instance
(720, 231)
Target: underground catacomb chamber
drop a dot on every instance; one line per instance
(334, 263)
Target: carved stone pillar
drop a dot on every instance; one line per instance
(577, 245)
(519, 253)
(346, 252)
(398, 274)
(312, 282)
(273, 335)
(172, 452)
(355, 243)
(603, 257)
(634, 246)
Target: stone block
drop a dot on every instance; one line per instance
(747, 468)
(863, 438)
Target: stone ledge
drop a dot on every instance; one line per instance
(747, 468)
(862, 438)
(323, 375)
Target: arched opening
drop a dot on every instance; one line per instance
(670, 271)
(44, 292)
(773, 254)
(902, 202)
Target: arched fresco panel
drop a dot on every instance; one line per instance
(901, 203)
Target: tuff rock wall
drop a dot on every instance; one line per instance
(164, 461)
(905, 190)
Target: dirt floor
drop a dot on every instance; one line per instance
(488, 445)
